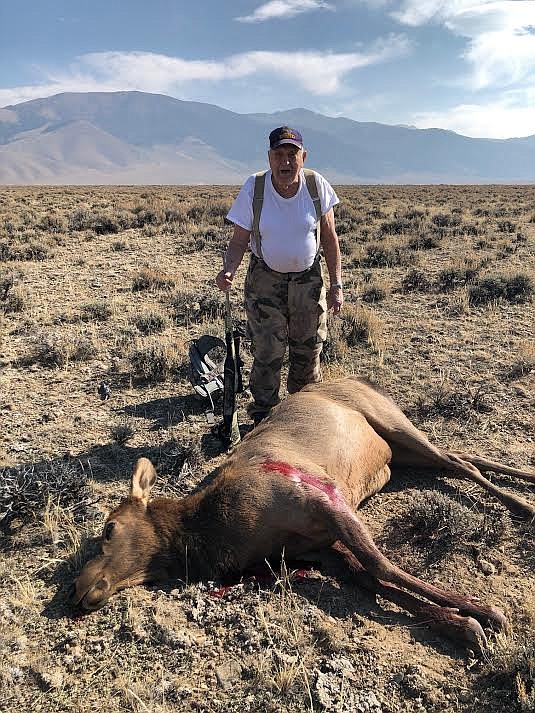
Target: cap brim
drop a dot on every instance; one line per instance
(286, 141)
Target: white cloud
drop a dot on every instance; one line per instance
(320, 73)
(494, 119)
(501, 35)
(283, 9)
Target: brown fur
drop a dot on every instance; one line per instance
(327, 448)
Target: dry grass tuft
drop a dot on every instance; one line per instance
(157, 361)
(524, 362)
(150, 322)
(285, 665)
(60, 348)
(63, 531)
(122, 432)
(449, 401)
(152, 280)
(510, 662)
(442, 524)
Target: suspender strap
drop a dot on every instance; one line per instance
(312, 186)
(258, 199)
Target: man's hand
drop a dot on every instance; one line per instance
(335, 299)
(224, 280)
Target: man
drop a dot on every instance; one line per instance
(285, 296)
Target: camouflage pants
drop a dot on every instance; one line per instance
(284, 308)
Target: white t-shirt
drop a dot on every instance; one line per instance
(287, 225)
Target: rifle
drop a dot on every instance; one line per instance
(232, 381)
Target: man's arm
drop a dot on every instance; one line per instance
(331, 251)
(233, 257)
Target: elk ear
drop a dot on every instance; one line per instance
(143, 478)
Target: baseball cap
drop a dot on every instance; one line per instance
(285, 135)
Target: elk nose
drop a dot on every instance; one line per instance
(96, 595)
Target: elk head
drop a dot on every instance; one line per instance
(132, 550)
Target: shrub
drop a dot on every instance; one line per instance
(53, 224)
(374, 293)
(346, 226)
(149, 216)
(81, 219)
(217, 210)
(109, 223)
(378, 255)
(119, 245)
(155, 362)
(397, 226)
(121, 433)
(452, 277)
(152, 279)
(509, 667)
(334, 346)
(445, 220)
(178, 460)
(150, 322)
(26, 489)
(375, 213)
(424, 242)
(174, 215)
(415, 215)
(185, 305)
(59, 349)
(99, 223)
(452, 403)
(469, 229)
(13, 302)
(195, 212)
(415, 280)
(488, 289)
(506, 226)
(98, 311)
(361, 325)
(29, 251)
(524, 362)
(35, 251)
(211, 307)
(440, 519)
(443, 523)
(519, 288)
(125, 336)
(7, 281)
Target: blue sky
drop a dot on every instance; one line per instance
(465, 65)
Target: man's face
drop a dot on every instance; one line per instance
(285, 162)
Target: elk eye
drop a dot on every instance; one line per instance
(108, 531)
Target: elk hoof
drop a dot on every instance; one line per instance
(474, 634)
(496, 618)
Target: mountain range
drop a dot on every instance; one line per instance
(140, 138)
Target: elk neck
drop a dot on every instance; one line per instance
(192, 540)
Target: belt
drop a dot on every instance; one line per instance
(255, 260)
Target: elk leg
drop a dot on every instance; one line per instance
(445, 620)
(410, 447)
(465, 469)
(494, 467)
(347, 528)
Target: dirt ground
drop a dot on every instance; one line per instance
(101, 291)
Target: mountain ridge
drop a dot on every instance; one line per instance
(135, 137)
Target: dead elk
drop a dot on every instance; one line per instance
(293, 485)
